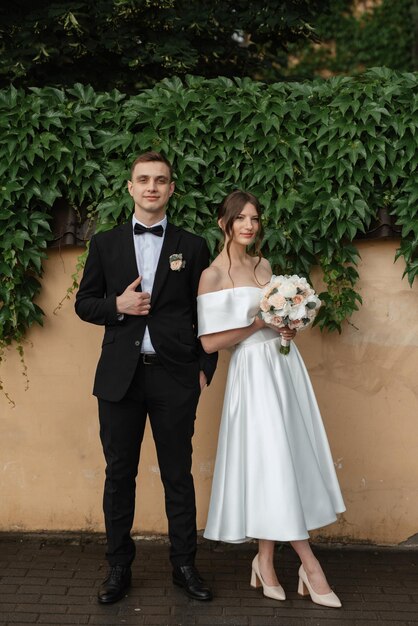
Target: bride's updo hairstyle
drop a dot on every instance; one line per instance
(228, 212)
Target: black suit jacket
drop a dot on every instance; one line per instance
(110, 268)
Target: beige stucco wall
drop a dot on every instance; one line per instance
(51, 466)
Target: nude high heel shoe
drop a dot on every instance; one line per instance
(326, 599)
(276, 593)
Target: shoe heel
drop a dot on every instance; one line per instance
(302, 588)
(254, 582)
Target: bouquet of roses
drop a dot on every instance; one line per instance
(288, 301)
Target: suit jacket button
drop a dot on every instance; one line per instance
(137, 343)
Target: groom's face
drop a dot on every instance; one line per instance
(150, 189)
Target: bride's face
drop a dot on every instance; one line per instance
(246, 225)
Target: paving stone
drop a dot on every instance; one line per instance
(60, 620)
(28, 618)
(273, 621)
(11, 597)
(40, 608)
(43, 588)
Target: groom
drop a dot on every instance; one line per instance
(140, 282)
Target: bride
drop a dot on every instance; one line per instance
(274, 477)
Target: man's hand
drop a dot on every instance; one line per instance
(202, 380)
(132, 302)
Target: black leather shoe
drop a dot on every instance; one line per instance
(187, 576)
(114, 586)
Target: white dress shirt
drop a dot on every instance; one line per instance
(147, 252)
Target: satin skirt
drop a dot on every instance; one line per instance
(274, 475)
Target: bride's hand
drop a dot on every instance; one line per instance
(287, 333)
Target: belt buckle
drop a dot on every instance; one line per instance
(147, 358)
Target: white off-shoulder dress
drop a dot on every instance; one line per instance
(274, 475)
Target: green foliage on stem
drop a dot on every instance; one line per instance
(322, 157)
(132, 44)
(383, 34)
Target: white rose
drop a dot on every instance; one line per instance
(297, 312)
(288, 290)
(268, 318)
(277, 300)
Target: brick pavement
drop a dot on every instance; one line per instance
(53, 580)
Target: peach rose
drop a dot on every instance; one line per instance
(176, 265)
(177, 262)
(278, 301)
(297, 299)
(264, 305)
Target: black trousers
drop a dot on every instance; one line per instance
(171, 409)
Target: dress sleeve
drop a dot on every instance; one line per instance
(224, 310)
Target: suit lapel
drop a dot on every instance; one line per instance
(170, 243)
(128, 253)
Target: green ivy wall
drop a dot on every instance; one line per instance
(322, 156)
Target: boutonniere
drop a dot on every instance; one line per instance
(176, 262)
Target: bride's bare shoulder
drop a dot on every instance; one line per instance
(211, 279)
(262, 270)
(264, 263)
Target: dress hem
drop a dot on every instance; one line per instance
(281, 539)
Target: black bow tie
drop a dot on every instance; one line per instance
(155, 230)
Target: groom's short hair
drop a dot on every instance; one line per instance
(146, 157)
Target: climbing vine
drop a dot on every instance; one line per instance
(323, 157)
(352, 41)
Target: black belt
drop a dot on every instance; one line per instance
(150, 359)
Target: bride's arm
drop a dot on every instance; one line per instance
(229, 338)
(210, 281)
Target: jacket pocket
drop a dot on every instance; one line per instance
(109, 336)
